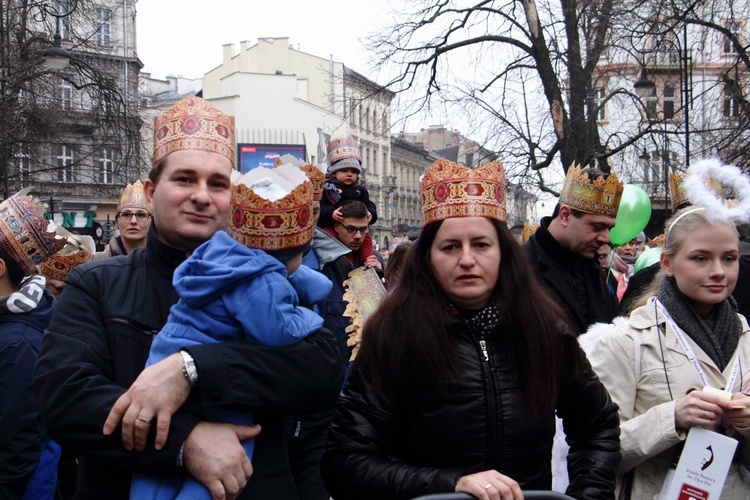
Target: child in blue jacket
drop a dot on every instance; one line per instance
(229, 291)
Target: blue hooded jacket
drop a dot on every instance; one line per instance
(228, 291)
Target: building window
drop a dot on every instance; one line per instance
(599, 104)
(732, 99)
(668, 105)
(106, 171)
(352, 112)
(65, 164)
(103, 17)
(651, 103)
(23, 159)
(66, 96)
(734, 27)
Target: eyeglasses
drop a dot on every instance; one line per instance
(139, 216)
(353, 229)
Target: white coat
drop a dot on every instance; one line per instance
(648, 434)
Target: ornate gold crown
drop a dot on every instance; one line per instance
(599, 197)
(60, 264)
(23, 232)
(451, 190)
(318, 179)
(677, 190)
(193, 123)
(272, 225)
(132, 196)
(528, 230)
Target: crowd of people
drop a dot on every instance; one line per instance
(204, 354)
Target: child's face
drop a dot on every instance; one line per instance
(346, 176)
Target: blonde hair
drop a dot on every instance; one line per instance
(677, 229)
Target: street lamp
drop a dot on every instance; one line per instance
(56, 57)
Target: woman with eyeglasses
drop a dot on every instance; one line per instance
(132, 221)
(464, 365)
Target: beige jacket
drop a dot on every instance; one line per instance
(648, 435)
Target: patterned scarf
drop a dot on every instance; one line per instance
(483, 322)
(717, 334)
(26, 299)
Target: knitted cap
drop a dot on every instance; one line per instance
(344, 153)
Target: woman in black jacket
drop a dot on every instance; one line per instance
(463, 366)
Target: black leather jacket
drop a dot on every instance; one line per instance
(380, 448)
(98, 342)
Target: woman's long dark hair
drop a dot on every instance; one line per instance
(406, 349)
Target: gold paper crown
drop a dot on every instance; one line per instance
(60, 264)
(599, 197)
(193, 123)
(318, 179)
(678, 193)
(272, 225)
(131, 196)
(528, 230)
(657, 241)
(677, 190)
(451, 190)
(23, 232)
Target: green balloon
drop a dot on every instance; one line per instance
(632, 216)
(647, 259)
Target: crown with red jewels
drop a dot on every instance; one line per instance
(193, 124)
(452, 190)
(23, 231)
(271, 224)
(132, 196)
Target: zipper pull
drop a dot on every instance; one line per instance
(483, 345)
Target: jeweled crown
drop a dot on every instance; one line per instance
(23, 232)
(193, 124)
(452, 190)
(600, 196)
(257, 222)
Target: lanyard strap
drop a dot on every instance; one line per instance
(681, 338)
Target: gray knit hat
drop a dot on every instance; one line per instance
(344, 153)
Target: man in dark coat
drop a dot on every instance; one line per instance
(90, 374)
(563, 249)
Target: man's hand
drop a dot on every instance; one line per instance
(214, 456)
(337, 217)
(372, 261)
(158, 392)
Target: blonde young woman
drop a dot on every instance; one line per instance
(647, 370)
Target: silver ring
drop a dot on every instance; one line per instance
(488, 486)
(143, 420)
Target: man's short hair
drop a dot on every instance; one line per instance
(353, 209)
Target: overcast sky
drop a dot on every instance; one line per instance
(185, 37)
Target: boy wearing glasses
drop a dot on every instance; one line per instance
(132, 220)
(343, 185)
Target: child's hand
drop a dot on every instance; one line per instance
(337, 217)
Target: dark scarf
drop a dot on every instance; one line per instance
(332, 188)
(717, 334)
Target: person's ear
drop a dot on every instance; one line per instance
(666, 265)
(564, 215)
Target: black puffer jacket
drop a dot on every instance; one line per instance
(380, 448)
(98, 342)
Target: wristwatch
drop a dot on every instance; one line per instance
(188, 368)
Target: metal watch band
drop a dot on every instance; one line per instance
(188, 368)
